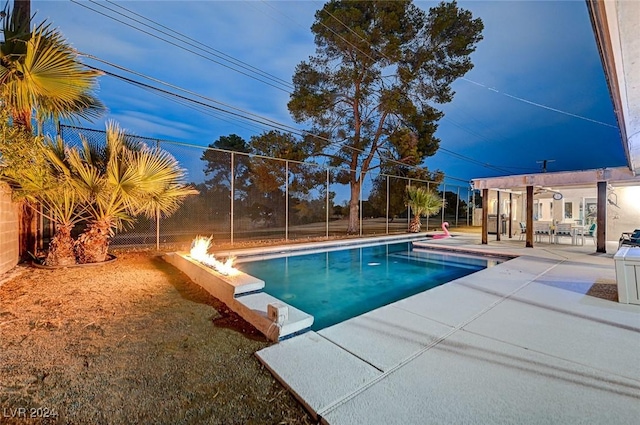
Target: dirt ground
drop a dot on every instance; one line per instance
(133, 341)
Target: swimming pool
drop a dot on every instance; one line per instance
(334, 286)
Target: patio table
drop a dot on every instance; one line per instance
(577, 231)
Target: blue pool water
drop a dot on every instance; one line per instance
(334, 286)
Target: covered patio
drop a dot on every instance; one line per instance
(577, 207)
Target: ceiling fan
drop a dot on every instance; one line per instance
(547, 190)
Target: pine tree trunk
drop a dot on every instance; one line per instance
(61, 248)
(354, 210)
(93, 244)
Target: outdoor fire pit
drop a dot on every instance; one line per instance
(239, 291)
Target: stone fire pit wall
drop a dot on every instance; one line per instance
(241, 293)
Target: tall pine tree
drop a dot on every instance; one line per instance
(369, 91)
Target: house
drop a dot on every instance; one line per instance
(607, 197)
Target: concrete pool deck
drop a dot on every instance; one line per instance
(520, 342)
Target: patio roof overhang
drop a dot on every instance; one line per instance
(615, 25)
(619, 176)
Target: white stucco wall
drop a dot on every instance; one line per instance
(623, 211)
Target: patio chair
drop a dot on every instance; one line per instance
(563, 230)
(630, 239)
(542, 228)
(591, 232)
(523, 230)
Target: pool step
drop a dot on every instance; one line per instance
(442, 259)
(257, 303)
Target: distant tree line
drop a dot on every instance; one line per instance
(261, 193)
(260, 186)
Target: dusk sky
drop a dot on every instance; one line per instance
(537, 90)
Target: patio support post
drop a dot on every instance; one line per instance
(601, 218)
(529, 242)
(485, 216)
(498, 217)
(510, 215)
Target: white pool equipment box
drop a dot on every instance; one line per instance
(627, 261)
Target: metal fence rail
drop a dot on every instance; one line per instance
(249, 197)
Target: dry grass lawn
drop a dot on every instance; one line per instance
(134, 341)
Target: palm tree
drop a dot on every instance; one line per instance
(40, 75)
(62, 204)
(422, 201)
(48, 183)
(119, 181)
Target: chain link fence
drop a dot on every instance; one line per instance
(250, 197)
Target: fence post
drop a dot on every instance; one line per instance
(473, 207)
(158, 214)
(444, 200)
(409, 209)
(457, 205)
(360, 207)
(286, 200)
(387, 204)
(468, 207)
(428, 188)
(327, 212)
(231, 187)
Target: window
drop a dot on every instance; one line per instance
(568, 210)
(591, 210)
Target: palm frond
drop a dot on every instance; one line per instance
(157, 169)
(41, 72)
(56, 153)
(52, 186)
(87, 176)
(63, 205)
(166, 202)
(92, 152)
(423, 201)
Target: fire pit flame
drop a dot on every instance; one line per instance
(199, 252)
